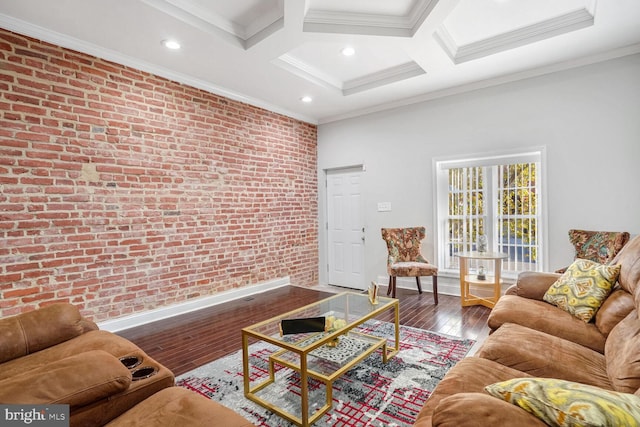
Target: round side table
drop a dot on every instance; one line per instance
(467, 279)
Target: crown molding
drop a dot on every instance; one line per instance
(37, 32)
(420, 12)
(265, 32)
(370, 81)
(212, 26)
(632, 49)
(194, 10)
(382, 78)
(302, 69)
(211, 23)
(548, 28)
(322, 21)
(329, 21)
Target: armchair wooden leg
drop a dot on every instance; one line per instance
(393, 286)
(419, 285)
(435, 290)
(389, 287)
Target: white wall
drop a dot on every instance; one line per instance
(587, 118)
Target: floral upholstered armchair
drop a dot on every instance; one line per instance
(597, 246)
(405, 258)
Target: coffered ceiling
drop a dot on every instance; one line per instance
(272, 53)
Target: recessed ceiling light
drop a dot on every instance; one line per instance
(348, 51)
(171, 44)
(306, 99)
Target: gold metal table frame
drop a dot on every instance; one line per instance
(296, 351)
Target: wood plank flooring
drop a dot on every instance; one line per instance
(184, 342)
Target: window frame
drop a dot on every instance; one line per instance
(441, 166)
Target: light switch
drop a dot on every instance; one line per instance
(384, 206)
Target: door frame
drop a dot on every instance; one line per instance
(324, 223)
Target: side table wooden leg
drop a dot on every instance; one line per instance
(498, 279)
(463, 282)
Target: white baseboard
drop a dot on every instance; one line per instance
(149, 316)
(446, 285)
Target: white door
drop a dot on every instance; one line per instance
(345, 225)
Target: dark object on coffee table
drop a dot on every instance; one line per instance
(299, 326)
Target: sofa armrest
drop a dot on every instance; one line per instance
(76, 381)
(36, 330)
(480, 409)
(533, 284)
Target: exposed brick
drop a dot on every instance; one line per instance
(124, 191)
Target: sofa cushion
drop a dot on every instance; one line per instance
(76, 381)
(547, 318)
(175, 406)
(565, 403)
(543, 355)
(35, 330)
(470, 375)
(582, 288)
(622, 354)
(480, 409)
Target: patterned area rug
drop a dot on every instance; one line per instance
(372, 393)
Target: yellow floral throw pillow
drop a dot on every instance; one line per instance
(582, 289)
(565, 403)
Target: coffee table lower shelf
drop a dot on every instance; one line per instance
(324, 364)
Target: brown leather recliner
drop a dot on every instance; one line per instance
(54, 355)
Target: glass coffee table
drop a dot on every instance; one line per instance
(323, 356)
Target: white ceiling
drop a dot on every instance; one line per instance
(271, 53)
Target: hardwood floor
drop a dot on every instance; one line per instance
(184, 342)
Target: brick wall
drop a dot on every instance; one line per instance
(123, 192)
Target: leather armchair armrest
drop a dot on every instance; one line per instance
(480, 409)
(76, 380)
(533, 284)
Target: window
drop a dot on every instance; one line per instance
(498, 196)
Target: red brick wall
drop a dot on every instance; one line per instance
(123, 192)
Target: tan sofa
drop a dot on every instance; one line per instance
(534, 339)
(55, 356)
